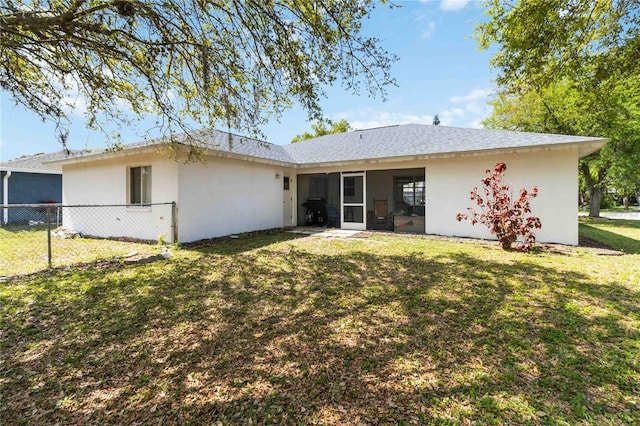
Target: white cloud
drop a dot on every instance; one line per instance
(475, 104)
(419, 15)
(476, 124)
(474, 107)
(429, 29)
(74, 104)
(474, 95)
(453, 4)
(448, 116)
(171, 94)
(460, 117)
(368, 119)
(465, 110)
(72, 101)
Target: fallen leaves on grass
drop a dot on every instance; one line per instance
(279, 329)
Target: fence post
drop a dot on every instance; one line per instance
(174, 228)
(49, 237)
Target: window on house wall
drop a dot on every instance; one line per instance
(286, 183)
(409, 195)
(140, 185)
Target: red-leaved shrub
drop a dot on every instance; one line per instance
(506, 219)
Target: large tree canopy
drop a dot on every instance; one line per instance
(588, 41)
(571, 66)
(231, 63)
(564, 108)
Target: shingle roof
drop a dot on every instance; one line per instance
(384, 142)
(215, 140)
(416, 139)
(241, 145)
(37, 162)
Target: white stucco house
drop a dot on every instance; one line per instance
(408, 178)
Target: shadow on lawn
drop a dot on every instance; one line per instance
(614, 240)
(288, 336)
(244, 243)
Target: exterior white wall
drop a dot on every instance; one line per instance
(449, 182)
(226, 196)
(106, 183)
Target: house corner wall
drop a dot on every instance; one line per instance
(226, 196)
(105, 182)
(450, 181)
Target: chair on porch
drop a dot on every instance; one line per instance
(382, 217)
(333, 216)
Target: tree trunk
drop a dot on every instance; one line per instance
(593, 186)
(625, 202)
(595, 195)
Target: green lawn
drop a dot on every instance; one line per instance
(618, 234)
(632, 208)
(24, 250)
(288, 330)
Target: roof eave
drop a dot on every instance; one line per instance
(584, 148)
(157, 149)
(27, 170)
(104, 155)
(250, 158)
(588, 148)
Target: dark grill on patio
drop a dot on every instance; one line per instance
(316, 211)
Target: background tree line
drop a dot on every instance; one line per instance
(571, 67)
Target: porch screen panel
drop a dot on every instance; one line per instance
(409, 195)
(353, 189)
(353, 214)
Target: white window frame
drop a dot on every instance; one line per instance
(144, 177)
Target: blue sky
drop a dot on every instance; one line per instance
(440, 71)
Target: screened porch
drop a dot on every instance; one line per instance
(390, 200)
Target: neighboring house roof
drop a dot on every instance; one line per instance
(39, 163)
(392, 142)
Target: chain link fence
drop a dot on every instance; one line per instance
(39, 236)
